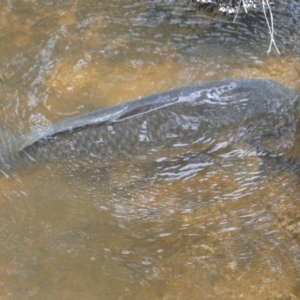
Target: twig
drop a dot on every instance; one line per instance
(270, 25)
(238, 9)
(245, 8)
(237, 12)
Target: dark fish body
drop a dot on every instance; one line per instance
(200, 115)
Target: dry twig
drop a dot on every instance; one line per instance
(270, 24)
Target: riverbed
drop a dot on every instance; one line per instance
(219, 227)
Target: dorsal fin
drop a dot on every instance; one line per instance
(107, 115)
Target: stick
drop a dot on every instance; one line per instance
(270, 26)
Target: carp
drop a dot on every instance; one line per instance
(201, 116)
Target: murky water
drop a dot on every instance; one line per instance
(225, 226)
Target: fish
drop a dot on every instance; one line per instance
(203, 116)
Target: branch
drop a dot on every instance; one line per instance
(270, 25)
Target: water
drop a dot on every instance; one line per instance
(220, 226)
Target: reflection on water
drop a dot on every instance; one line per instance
(202, 227)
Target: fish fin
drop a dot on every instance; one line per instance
(135, 112)
(130, 113)
(34, 136)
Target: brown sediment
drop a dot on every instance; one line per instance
(210, 265)
(282, 70)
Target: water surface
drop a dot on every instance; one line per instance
(221, 226)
